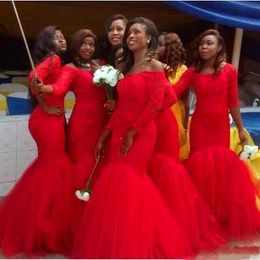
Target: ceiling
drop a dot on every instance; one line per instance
(74, 15)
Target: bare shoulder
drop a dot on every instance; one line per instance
(71, 65)
(155, 65)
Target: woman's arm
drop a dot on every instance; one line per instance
(236, 115)
(62, 84)
(233, 103)
(184, 82)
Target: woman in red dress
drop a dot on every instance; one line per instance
(125, 216)
(221, 177)
(35, 217)
(88, 118)
(173, 180)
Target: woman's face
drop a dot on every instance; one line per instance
(59, 41)
(137, 38)
(116, 32)
(87, 49)
(209, 47)
(161, 46)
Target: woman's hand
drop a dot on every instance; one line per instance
(110, 105)
(94, 65)
(51, 110)
(128, 141)
(99, 150)
(38, 84)
(167, 69)
(100, 147)
(242, 137)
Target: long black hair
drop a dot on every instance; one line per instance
(105, 47)
(44, 45)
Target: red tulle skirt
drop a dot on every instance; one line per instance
(185, 202)
(224, 182)
(127, 218)
(35, 217)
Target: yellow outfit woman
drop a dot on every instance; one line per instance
(178, 110)
(254, 163)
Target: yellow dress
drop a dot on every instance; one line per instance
(254, 163)
(178, 110)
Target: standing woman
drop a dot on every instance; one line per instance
(88, 118)
(112, 36)
(35, 216)
(125, 216)
(172, 53)
(215, 169)
(176, 186)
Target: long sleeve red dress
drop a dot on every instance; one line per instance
(86, 123)
(221, 177)
(126, 216)
(35, 217)
(179, 192)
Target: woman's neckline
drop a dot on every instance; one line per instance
(144, 71)
(205, 74)
(72, 66)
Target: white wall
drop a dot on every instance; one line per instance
(17, 150)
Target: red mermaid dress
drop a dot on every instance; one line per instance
(178, 190)
(221, 177)
(126, 217)
(86, 123)
(35, 216)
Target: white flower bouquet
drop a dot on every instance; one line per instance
(248, 152)
(84, 194)
(108, 76)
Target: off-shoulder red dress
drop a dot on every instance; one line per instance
(126, 217)
(221, 177)
(35, 217)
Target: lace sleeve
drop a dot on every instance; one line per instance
(169, 96)
(156, 90)
(184, 82)
(43, 70)
(64, 81)
(232, 88)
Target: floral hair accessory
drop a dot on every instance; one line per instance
(84, 194)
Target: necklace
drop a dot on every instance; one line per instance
(83, 64)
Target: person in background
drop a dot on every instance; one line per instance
(112, 35)
(214, 168)
(35, 217)
(172, 53)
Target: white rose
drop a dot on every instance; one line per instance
(85, 196)
(106, 74)
(249, 151)
(82, 195)
(112, 77)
